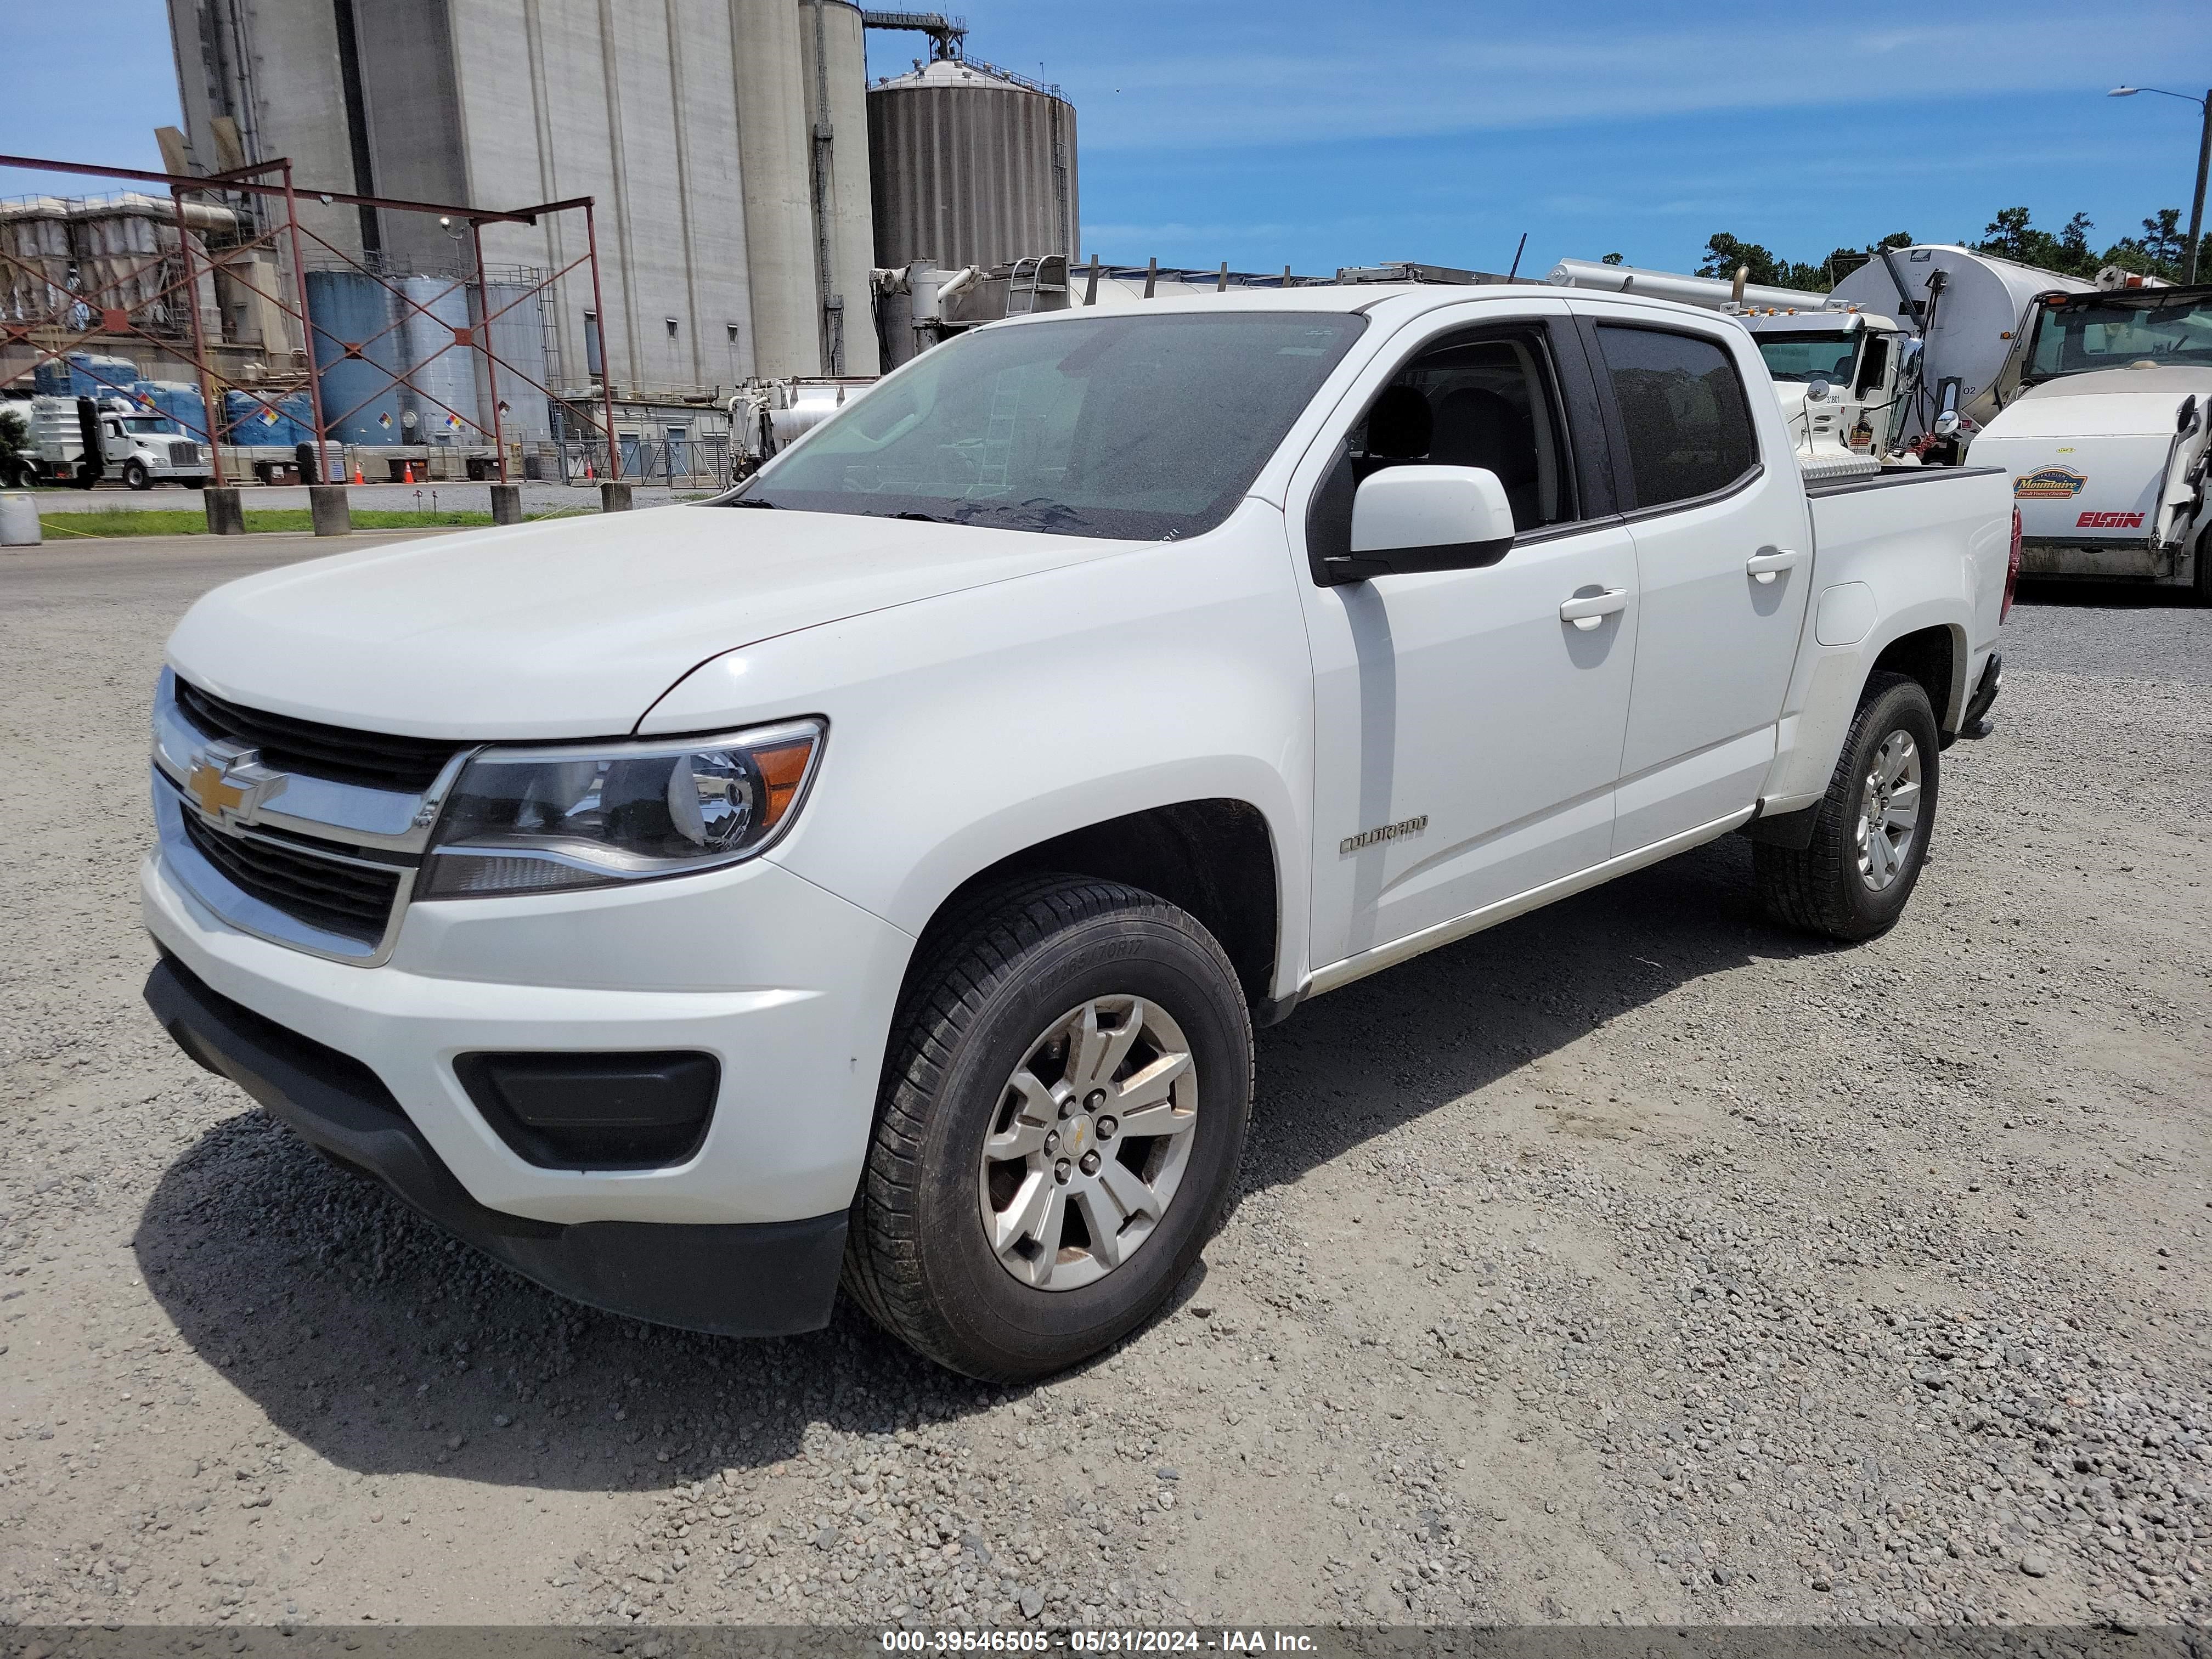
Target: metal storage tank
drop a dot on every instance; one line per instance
(348, 306)
(972, 166)
(833, 57)
(517, 335)
(1984, 300)
(441, 391)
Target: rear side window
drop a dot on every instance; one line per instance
(1682, 403)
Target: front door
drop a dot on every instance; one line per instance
(1468, 734)
(1722, 561)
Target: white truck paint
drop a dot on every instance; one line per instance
(1430, 658)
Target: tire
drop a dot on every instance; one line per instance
(2200, 578)
(1842, 884)
(135, 475)
(993, 985)
(193, 483)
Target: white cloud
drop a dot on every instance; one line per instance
(1351, 79)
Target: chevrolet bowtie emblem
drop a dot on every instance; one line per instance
(215, 794)
(230, 783)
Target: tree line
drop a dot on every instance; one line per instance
(2013, 234)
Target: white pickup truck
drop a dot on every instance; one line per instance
(874, 876)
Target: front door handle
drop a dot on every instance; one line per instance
(1770, 562)
(1586, 611)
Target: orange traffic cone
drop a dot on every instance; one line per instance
(409, 476)
(357, 478)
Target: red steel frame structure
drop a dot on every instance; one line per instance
(257, 180)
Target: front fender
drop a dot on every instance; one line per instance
(966, 728)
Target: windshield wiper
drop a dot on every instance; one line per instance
(754, 501)
(917, 518)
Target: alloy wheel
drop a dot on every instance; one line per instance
(1089, 1144)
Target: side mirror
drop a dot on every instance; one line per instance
(1407, 520)
(1946, 423)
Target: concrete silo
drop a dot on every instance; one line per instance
(834, 59)
(972, 166)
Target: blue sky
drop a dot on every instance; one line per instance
(1325, 134)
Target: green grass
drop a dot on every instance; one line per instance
(125, 521)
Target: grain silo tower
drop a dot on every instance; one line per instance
(971, 165)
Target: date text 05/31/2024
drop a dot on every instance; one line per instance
(1095, 1641)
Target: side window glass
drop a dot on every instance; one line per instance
(1489, 403)
(1874, 363)
(1682, 401)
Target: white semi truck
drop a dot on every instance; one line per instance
(80, 441)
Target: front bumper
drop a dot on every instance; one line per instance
(790, 988)
(2045, 557)
(768, 1279)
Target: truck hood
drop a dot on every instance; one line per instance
(2108, 402)
(568, 629)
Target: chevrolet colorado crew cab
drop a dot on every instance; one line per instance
(873, 876)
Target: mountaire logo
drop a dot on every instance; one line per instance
(2048, 484)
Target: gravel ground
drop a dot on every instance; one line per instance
(1637, 1261)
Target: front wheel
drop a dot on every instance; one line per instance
(1870, 835)
(1062, 1118)
(135, 475)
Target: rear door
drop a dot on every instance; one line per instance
(1723, 558)
(1468, 734)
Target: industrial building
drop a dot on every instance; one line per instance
(733, 147)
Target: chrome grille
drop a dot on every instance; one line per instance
(372, 760)
(345, 897)
(183, 454)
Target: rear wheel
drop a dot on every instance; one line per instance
(1871, 836)
(2201, 582)
(1062, 1118)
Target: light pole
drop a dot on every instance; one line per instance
(2203, 160)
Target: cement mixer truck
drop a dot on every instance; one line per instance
(1969, 313)
(2095, 395)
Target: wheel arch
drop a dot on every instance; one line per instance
(1214, 856)
(1935, 656)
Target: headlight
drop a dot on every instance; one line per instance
(549, 820)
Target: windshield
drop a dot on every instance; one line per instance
(1141, 426)
(1810, 356)
(153, 423)
(2112, 331)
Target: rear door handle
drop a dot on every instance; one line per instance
(1589, 610)
(1770, 562)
